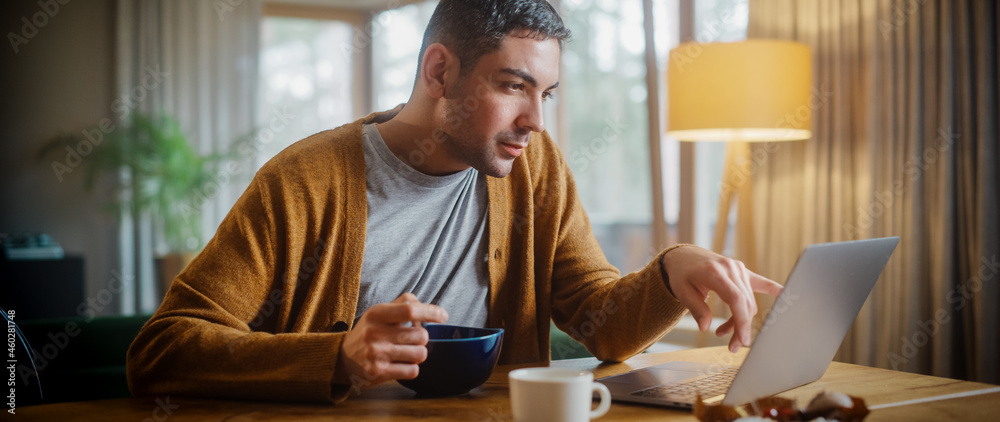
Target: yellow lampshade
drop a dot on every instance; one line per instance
(754, 90)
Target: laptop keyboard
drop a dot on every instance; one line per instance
(710, 385)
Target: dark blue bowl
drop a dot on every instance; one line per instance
(458, 359)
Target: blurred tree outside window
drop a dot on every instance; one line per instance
(604, 93)
(395, 48)
(305, 76)
(666, 35)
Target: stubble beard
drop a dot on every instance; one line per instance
(475, 150)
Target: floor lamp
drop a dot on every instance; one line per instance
(740, 92)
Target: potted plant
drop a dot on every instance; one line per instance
(159, 175)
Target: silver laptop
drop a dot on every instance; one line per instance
(822, 297)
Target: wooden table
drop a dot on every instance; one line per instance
(887, 392)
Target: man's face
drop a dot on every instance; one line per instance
(490, 113)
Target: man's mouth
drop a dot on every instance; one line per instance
(512, 148)
(514, 143)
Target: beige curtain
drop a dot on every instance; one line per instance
(196, 61)
(904, 143)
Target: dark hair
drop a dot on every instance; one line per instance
(473, 28)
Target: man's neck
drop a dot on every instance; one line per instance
(416, 143)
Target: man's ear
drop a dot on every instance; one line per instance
(438, 69)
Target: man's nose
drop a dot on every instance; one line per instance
(531, 116)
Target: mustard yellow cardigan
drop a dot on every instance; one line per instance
(261, 312)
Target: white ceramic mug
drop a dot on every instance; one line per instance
(555, 395)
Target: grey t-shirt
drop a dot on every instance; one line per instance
(425, 235)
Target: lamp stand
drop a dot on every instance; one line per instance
(735, 182)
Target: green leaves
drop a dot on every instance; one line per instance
(158, 172)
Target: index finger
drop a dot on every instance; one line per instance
(742, 317)
(761, 284)
(398, 313)
(740, 305)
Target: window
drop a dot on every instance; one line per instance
(666, 25)
(395, 50)
(304, 79)
(604, 101)
(315, 70)
(605, 134)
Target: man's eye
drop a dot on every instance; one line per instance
(548, 96)
(514, 86)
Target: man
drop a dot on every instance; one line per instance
(455, 207)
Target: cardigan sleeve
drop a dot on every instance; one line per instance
(613, 316)
(209, 337)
